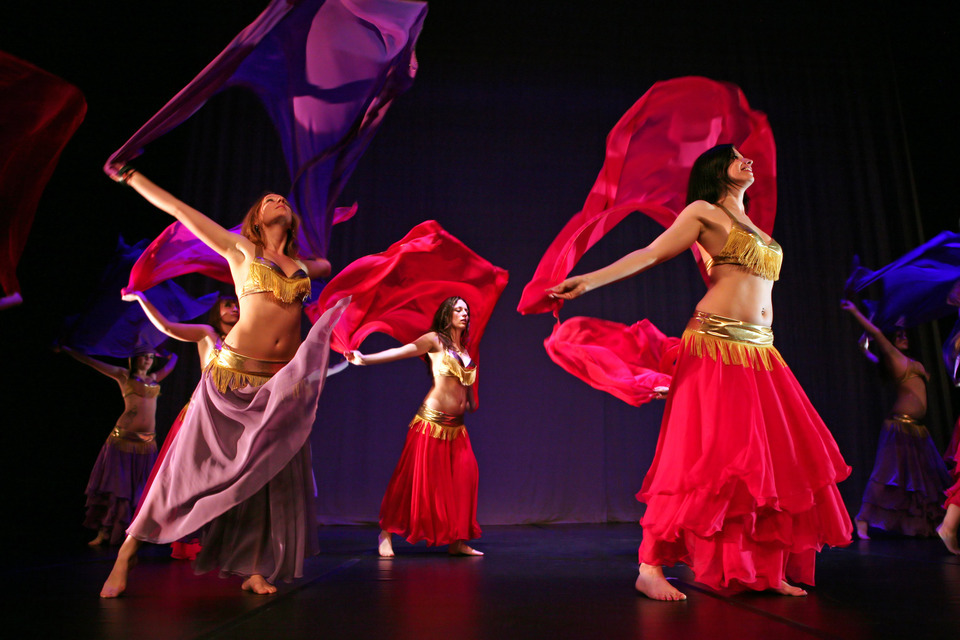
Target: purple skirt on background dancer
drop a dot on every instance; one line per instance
(905, 490)
(240, 467)
(117, 480)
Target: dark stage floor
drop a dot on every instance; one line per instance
(562, 581)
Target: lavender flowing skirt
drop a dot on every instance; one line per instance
(240, 470)
(905, 490)
(115, 485)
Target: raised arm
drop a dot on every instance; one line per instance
(420, 346)
(680, 236)
(111, 371)
(167, 368)
(210, 233)
(887, 349)
(177, 330)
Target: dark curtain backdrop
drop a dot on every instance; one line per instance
(499, 140)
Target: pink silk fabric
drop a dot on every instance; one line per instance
(398, 291)
(230, 445)
(40, 114)
(649, 155)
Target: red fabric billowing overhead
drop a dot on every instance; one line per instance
(40, 114)
(649, 155)
(398, 291)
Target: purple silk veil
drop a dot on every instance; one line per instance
(920, 286)
(326, 72)
(108, 326)
(40, 112)
(649, 155)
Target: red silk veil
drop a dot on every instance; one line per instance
(397, 292)
(40, 114)
(649, 155)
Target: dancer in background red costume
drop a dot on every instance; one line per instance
(743, 484)
(432, 495)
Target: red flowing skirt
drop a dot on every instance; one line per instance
(432, 495)
(743, 484)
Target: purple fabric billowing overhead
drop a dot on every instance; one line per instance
(109, 326)
(916, 288)
(326, 72)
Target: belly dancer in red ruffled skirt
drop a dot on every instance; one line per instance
(742, 487)
(432, 494)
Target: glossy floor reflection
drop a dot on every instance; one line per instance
(561, 581)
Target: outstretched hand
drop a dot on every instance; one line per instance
(570, 288)
(846, 305)
(354, 357)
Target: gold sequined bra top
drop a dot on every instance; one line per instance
(451, 365)
(746, 249)
(135, 387)
(266, 276)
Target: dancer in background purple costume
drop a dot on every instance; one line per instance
(906, 486)
(240, 465)
(123, 465)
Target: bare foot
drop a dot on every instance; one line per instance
(99, 540)
(258, 584)
(862, 530)
(652, 583)
(789, 590)
(949, 539)
(117, 580)
(461, 548)
(385, 544)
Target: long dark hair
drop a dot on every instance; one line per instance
(442, 320)
(708, 175)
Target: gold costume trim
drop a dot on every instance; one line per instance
(232, 370)
(735, 341)
(905, 424)
(746, 249)
(132, 441)
(437, 424)
(263, 279)
(450, 366)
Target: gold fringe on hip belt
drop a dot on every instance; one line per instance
(438, 424)
(733, 341)
(232, 370)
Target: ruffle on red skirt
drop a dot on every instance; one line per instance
(953, 495)
(432, 495)
(743, 484)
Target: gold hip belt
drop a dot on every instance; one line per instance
(734, 341)
(133, 441)
(905, 424)
(230, 369)
(438, 424)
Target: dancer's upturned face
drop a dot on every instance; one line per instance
(741, 169)
(273, 207)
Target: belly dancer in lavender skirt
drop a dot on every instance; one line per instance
(906, 486)
(240, 465)
(120, 472)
